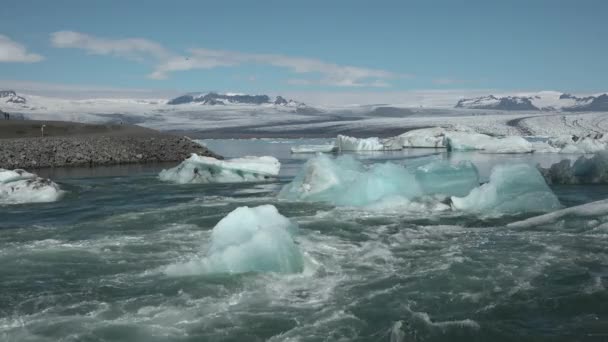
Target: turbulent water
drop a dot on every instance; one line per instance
(93, 266)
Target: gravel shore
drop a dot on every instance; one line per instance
(92, 145)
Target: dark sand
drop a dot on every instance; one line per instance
(31, 128)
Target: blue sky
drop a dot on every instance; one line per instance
(323, 46)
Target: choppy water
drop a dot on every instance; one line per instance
(90, 267)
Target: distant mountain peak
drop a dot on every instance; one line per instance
(10, 96)
(542, 101)
(213, 98)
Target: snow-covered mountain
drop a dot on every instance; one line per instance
(10, 96)
(545, 101)
(213, 98)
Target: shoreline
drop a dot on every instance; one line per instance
(69, 144)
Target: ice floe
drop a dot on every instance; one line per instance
(199, 169)
(257, 239)
(20, 186)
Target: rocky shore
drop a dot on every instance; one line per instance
(97, 148)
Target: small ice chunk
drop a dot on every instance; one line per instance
(257, 239)
(199, 169)
(20, 186)
(328, 148)
(512, 188)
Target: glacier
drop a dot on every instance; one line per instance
(345, 181)
(199, 169)
(257, 239)
(19, 186)
(511, 189)
(584, 170)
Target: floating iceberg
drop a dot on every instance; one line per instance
(344, 181)
(465, 141)
(19, 186)
(256, 239)
(433, 137)
(328, 148)
(584, 170)
(512, 188)
(346, 143)
(592, 143)
(588, 210)
(198, 169)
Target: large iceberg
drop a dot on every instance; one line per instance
(433, 137)
(512, 188)
(257, 239)
(19, 186)
(198, 169)
(466, 141)
(344, 181)
(584, 170)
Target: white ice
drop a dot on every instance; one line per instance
(328, 148)
(590, 210)
(465, 141)
(257, 239)
(199, 169)
(345, 181)
(512, 188)
(19, 186)
(346, 143)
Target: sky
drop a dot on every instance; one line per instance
(315, 47)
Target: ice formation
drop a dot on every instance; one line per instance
(512, 188)
(257, 239)
(198, 169)
(588, 210)
(592, 143)
(19, 186)
(345, 181)
(433, 137)
(346, 143)
(466, 141)
(314, 148)
(584, 170)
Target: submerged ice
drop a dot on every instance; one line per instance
(257, 239)
(345, 181)
(20, 186)
(199, 169)
(512, 188)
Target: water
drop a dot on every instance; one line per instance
(91, 267)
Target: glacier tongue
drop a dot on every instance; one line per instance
(198, 169)
(19, 186)
(512, 188)
(257, 239)
(344, 181)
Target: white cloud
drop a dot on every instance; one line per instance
(11, 51)
(131, 48)
(167, 62)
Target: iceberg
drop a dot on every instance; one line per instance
(584, 170)
(198, 169)
(592, 143)
(19, 186)
(329, 148)
(465, 141)
(346, 143)
(511, 189)
(344, 181)
(257, 239)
